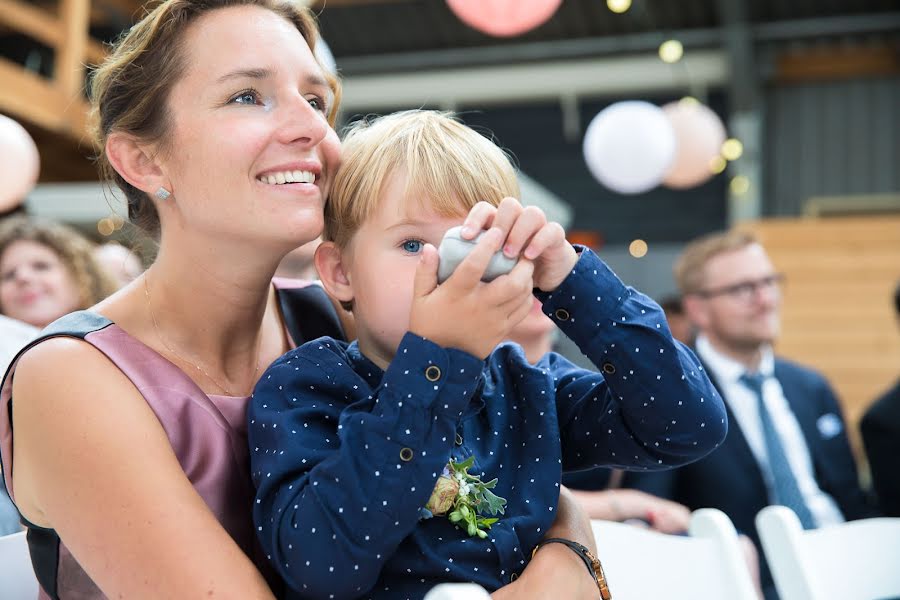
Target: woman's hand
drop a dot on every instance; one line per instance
(528, 235)
(556, 572)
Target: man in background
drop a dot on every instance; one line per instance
(787, 442)
(880, 428)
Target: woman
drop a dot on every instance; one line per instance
(215, 120)
(47, 270)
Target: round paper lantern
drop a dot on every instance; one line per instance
(504, 18)
(19, 164)
(629, 146)
(699, 134)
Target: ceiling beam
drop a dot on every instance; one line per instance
(692, 39)
(533, 82)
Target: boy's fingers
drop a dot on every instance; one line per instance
(549, 235)
(471, 269)
(426, 272)
(507, 213)
(516, 284)
(480, 217)
(529, 222)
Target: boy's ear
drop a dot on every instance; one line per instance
(330, 264)
(134, 162)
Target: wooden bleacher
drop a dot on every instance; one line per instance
(838, 313)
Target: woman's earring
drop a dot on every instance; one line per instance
(163, 194)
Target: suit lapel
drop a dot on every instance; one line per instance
(735, 442)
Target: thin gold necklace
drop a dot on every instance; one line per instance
(193, 363)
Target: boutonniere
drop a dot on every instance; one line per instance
(465, 499)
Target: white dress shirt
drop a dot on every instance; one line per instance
(743, 404)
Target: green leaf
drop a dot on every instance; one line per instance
(490, 484)
(463, 466)
(494, 503)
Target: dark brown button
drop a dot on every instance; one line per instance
(562, 314)
(458, 440)
(406, 454)
(609, 368)
(433, 373)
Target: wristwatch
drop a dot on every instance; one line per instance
(590, 561)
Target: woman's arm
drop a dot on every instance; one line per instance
(556, 571)
(93, 463)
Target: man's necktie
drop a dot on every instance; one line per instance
(785, 487)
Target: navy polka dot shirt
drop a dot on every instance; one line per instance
(344, 455)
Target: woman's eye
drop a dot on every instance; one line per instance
(412, 246)
(318, 104)
(246, 97)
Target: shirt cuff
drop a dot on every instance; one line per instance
(589, 294)
(436, 378)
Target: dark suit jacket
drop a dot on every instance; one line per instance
(880, 429)
(730, 478)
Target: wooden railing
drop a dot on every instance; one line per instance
(838, 314)
(56, 104)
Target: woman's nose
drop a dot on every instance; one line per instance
(303, 124)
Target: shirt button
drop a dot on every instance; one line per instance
(609, 368)
(406, 454)
(458, 440)
(433, 373)
(562, 314)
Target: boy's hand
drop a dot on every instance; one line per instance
(464, 312)
(529, 234)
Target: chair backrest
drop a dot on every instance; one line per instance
(857, 560)
(707, 564)
(17, 580)
(457, 591)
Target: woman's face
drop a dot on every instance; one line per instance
(35, 285)
(251, 155)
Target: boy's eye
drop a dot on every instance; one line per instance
(412, 246)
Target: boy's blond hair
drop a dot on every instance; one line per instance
(447, 165)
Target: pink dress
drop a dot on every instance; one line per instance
(207, 433)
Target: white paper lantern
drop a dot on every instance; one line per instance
(629, 146)
(19, 164)
(699, 134)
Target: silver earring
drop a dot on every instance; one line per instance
(163, 194)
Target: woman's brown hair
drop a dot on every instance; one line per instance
(129, 91)
(74, 250)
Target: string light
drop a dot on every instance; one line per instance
(618, 6)
(717, 164)
(671, 51)
(732, 149)
(740, 185)
(638, 248)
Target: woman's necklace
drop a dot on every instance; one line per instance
(193, 363)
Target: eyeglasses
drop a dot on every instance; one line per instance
(745, 291)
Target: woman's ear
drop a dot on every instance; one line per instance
(134, 162)
(331, 265)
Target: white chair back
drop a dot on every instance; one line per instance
(706, 565)
(857, 560)
(457, 591)
(17, 580)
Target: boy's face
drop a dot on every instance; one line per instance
(380, 263)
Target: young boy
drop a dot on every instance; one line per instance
(348, 441)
